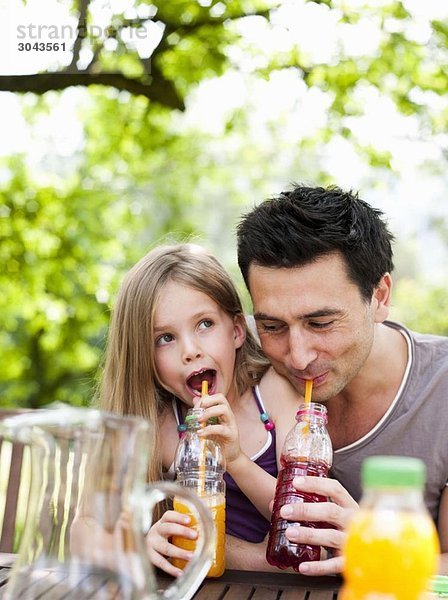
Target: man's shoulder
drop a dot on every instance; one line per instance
(428, 354)
(417, 337)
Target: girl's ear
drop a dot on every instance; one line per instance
(239, 330)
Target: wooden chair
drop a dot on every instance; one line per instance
(14, 484)
(15, 480)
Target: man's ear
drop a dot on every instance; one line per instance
(239, 330)
(382, 297)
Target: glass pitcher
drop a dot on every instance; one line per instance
(89, 507)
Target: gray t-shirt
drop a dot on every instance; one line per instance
(416, 423)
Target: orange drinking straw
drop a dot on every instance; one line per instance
(308, 391)
(204, 392)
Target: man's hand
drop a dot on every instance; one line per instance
(337, 512)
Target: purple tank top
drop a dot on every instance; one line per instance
(243, 520)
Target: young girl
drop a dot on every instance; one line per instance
(178, 320)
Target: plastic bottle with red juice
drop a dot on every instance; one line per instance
(307, 450)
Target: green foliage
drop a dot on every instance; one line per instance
(60, 262)
(421, 307)
(196, 56)
(144, 174)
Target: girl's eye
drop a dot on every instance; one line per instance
(205, 324)
(166, 338)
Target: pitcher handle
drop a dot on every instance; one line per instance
(184, 586)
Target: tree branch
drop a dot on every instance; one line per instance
(189, 28)
(82, 22)
(157, 89)
(155, 86)
(199, 22)
(96, 54)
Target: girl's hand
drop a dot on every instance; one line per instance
(226, 430)
(159, 546)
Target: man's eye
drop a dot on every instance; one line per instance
(320, 325)
(270, 327)
(205, 324)
(166, 338)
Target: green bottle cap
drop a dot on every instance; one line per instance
(191, 418)
(193, 414)
(439, 585)
(393, 471)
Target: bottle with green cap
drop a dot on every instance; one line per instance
(200, 465)
(392, 547)
(438, 587)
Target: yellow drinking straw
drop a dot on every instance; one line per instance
(308, 391)
(204, 392)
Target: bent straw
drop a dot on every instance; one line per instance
(204, 392)
(308, 391)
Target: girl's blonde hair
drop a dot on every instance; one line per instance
(129, 383)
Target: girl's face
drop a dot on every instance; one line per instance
(194, 340)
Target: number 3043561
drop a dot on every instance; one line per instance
(41, 46)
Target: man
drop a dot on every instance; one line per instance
(317, 263)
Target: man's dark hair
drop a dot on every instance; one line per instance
(299, 226)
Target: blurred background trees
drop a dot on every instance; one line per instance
(121, 145)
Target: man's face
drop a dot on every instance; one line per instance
(313, 323)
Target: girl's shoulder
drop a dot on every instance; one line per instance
(280, 398)
(271, 383)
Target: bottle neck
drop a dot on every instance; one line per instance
(192, 422)
(312, 420)
(312, 412)
(393, 498)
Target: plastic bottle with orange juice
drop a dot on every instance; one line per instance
(392, 545)
(200, 466)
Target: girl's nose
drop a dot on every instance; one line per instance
(190, 351)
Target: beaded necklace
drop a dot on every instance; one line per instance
(269, 425)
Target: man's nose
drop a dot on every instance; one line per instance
(301, 350)
(191, 350)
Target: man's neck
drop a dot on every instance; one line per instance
(362, 404)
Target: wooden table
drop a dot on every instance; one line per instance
(233, 585)
(251, 585)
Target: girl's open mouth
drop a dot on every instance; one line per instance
(194, 381)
